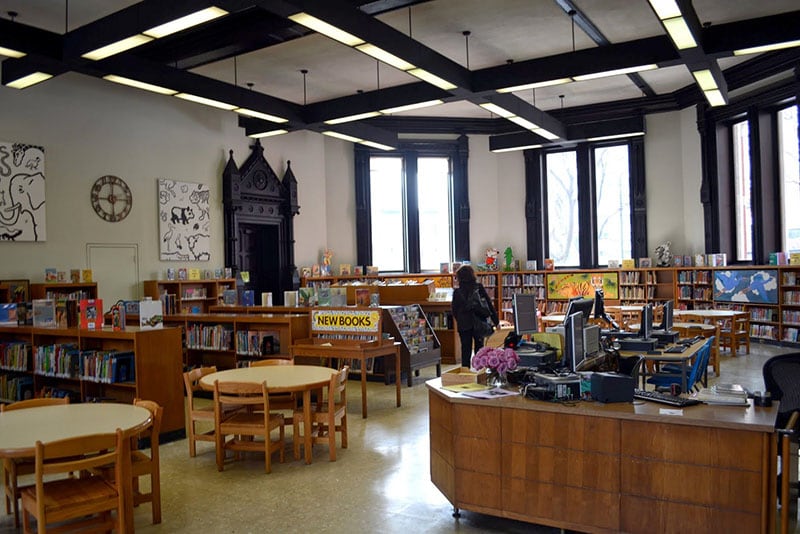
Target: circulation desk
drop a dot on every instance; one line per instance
(595, 467)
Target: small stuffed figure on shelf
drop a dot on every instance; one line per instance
(509, 256)
(491, 259)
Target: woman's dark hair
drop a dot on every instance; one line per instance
(466, 275)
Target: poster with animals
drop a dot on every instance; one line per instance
(184, 225)
(22, 188)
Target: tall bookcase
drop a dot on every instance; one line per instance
(188, 296)
(156, 358)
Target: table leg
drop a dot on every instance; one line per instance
(307, 424)
(364, 388)
(397, 373)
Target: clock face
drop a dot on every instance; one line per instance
(111, 198)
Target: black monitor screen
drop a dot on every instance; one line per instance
(580, 305)
(525, 314)
(646, 328)
(666, 320)
(599, 304)
(573, 341)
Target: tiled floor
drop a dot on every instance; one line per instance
(381, 483)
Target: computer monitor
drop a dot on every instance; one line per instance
(524, 313)
(646, 328)
(573, 341)
(599, 304)
(666, 317)
(580, 305)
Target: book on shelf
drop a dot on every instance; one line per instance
(75, 276)
(248, 297)
(628, 263)
(86, 276)
(290, 298)
(61, 277)
(345, 269)
(44, 313)
(549, 264)
(194, 274)
(316, 270)
(91, 314)
(305, 296)
(51, 274)
(358, 270)
(183, 273)
(229, 297)
(373, 269)
(338, 296)
(530, 265)
(8, 314)
(324, 296)
(171, 274)
(362, 296)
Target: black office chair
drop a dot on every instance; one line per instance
(631, 366)
(782, 380)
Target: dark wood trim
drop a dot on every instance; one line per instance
(639, 248)
(587, 215)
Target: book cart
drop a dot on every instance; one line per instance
(353, 334)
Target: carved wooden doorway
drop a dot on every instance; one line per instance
(259, 229)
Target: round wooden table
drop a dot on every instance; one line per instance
(280, 379)
(21, 429)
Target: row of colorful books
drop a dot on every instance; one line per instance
(76, 276)
(51, 313)
(16, 388)
(213, 337)
(257, 342)
(15, 355)
(66, 360)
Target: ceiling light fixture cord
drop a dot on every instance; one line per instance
(409, 21)
(378, 73)
(66, 16)
(235, 72)
(304, 71)
(466, 34)
(571, 14)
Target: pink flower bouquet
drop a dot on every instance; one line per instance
(497, 360)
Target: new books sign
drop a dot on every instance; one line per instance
(336, 320)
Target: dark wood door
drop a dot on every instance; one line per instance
(260, 256)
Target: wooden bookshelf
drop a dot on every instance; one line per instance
(64, 290)
(188, 296)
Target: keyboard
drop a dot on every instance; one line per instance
(675, 349)
(664, 398)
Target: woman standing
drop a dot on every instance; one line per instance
(467, 311)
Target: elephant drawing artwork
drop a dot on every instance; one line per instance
(22, 192)
(184, 221)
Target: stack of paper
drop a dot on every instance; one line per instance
(724, 394)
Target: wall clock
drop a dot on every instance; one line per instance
(111, 198)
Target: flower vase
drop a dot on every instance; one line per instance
(496, 379)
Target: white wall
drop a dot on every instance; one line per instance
(91, 128)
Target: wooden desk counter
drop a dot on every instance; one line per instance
(622, 467)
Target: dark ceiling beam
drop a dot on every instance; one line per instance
(658, 50)
(721, 40)
(376, 100)
(28, 39)
(589, 28)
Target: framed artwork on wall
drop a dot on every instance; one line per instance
(184, 222)
(22, 192)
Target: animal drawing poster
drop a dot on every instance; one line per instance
(184, 224)
(22, 188)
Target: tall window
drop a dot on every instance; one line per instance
(613, 197)
(409, 193)
(741, 193)
(789, 178)
(563, 222)
(388, 213)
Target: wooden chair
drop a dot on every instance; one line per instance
(14, 468)
(327, 417)
(245, 425)
(280, 401)
(90, 497)
(143, 464)
(195, 414)
(736, 334)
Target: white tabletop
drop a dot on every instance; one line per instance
(278, 377)
(21, 429)
(711, 314)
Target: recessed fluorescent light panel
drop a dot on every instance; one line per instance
(268, 133)
(627, 70)
(515, 148)
(536, 85)
(665, 9)
(715, 97)
(545, 133)
(432, 79)
(10, 52)
(410, 107)
(115, 48)
(680, 33)
(139, 85)
(342, 136)
(329, 30)
(497, 110)
(260, 115)
(360, 116)
(206, 101)
(525, 123)
(616, 136)
(762, 49)
(705, 79)
(192, 19)
(379, 146)
(382, 55)
(30, 79)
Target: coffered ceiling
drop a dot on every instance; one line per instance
(254, 56)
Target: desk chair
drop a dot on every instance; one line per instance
(14, 468)
(91, 498)
(328, 417)
(670, 374)
(248, 424)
